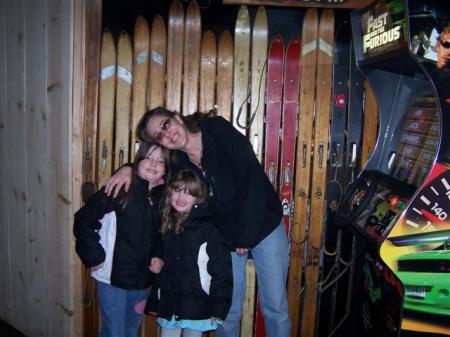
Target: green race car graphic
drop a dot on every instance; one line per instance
(426, 274)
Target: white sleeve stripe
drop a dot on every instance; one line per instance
(202, 262)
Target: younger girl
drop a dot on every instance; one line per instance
(119, 240)
(195, 286)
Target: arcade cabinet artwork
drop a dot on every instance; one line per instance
(399, 206)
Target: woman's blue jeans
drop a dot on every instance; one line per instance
(271, 258)
(121, 310)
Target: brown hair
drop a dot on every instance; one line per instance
(144, 147)
(189, 122)
(446, 30)
(172, 220)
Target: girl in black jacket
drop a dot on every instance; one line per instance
(119, 240)
(193, 292)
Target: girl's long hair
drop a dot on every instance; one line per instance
(190, 122)
(172, 220)
(144, 147)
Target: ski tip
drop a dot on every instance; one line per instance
(327, 14)
(176, 7)
(141, 24)
(226, 37)
(311, 13)
(277, 39)
(294, 40)
(193, 9)
(123, 34)
(209, 35)
(243, 13)
(261, 16)
(158, 21)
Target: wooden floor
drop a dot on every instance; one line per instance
(6, 330)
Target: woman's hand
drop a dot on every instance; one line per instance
(114, 183)
(156, 265)
(97, 267)
(242, 251)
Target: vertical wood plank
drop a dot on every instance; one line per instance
(78, 108)
(38, 164)
(16, 159)
(5, 256)
(92, 66)
(59, 62)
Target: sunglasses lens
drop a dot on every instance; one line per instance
(166, 124)
(445, 44)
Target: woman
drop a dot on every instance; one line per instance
(247, 209)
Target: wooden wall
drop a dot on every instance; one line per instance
(39, 151)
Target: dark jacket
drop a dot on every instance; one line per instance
(196, 281)
(136, 239)
(246, 206)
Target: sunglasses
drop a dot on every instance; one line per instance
(445, 44)
(164, 126)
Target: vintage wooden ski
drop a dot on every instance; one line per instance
(274, 104)
(224, 78)
(155, 98)
(191, 62)
(140, 77)
(275, 60)
(258, 81)
(289, 128)
(248, 308)
(124, 81)
(303, 164)
(158, 45)
(240, 101)
(370, 124)
(175, 46)
(106, 107)
(319, 171)
(335, 176)
(93, 38)
(208, 60)
(241, 68)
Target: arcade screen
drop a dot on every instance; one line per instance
(416, 140)
(419, 139)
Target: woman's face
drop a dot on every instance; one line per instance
(181, 200)
(152, 167)
(169, 132)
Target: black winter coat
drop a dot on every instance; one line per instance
(246, 206)
(137, 237)
(196, 281)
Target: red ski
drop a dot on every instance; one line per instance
(274, 102)
(289, 123)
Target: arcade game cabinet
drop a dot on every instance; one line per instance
(399, 205)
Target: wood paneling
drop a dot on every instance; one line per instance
(5, 256)
(59, 56)
(37, 149)
(38, 163)
(16, 161)
(78, 106)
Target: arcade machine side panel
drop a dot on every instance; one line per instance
(375, 202)
(417, 248)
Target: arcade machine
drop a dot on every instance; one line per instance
(399, 205)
